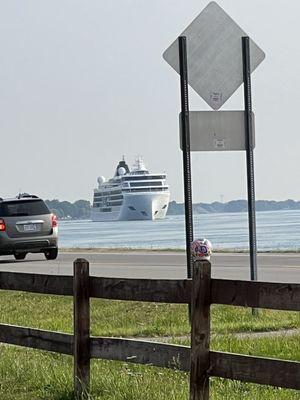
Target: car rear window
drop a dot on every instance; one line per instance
(23, 208)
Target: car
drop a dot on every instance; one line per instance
(27, 226)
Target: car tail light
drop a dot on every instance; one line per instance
(54, 220)
(2, 225)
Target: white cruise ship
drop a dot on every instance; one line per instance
(131, 195)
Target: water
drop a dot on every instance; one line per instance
(276, 230)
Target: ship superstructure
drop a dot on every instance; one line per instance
(131, 195)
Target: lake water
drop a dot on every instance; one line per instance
(276, 230)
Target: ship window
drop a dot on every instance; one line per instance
(144, 213)
(154, 183)
(131, 208)
(146, 189)
(155, 212)
(143, 177)
(152, 189)
(116, 197)
(164, 206)
(114, 192)
(104, 194)
(141, 172)
(117, 203)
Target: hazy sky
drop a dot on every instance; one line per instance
(83, 83)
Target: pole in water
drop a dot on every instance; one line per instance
(185, 126)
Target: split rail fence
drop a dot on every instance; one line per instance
(199, 360)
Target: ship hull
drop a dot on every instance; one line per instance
(141, 206)
(97, 216)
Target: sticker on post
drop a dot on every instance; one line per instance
(216, 98)
(219, 144)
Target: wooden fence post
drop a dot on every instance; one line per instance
(200, 335)
(81, 328)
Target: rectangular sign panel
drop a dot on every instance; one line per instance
(217, 130)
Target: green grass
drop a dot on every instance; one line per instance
(27, 374)
(120, 318)
(283, 346)
(277, 346)
(274, 347)
(31, 375)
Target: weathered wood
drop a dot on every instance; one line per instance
(37, 283)
(141, 352)
(36, 339)
(200, 336)
(264, 371)
(81, 328)
(278, 296)
(153, 290)
(200, 293)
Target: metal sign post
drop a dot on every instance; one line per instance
(186, 151)
(216, 70)
(249, 157)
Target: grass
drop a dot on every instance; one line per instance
(27, 374)
(120, 318)
(33, 375)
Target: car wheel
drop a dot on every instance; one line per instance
(20, 256)
(51, 254)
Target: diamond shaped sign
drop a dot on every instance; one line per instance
(214, 55)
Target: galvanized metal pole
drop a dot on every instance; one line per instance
(249, 157)
(185, 126)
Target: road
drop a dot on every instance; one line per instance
(271, 267)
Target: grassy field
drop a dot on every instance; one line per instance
(27, 374)
(32, 375)
(133, 318)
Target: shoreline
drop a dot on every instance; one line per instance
(164, 250)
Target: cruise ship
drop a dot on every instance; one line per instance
(131, 195)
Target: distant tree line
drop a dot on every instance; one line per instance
(81, 209)
(234, 206)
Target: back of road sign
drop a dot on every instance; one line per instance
(217, 130)
(214, 55)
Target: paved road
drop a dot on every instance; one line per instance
(271, 267)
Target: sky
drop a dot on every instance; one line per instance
(83, 83)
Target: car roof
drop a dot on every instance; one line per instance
(25, 197)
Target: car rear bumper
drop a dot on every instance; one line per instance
(29, 245)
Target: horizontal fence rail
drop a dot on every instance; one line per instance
(152, 290)
(265, 371)
(118, 349)
(278, 296)
(37, 283)
(141, 352)
(242, 367)
(37, 339)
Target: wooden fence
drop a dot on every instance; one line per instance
(201, 292)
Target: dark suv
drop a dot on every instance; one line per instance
(27, 226)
